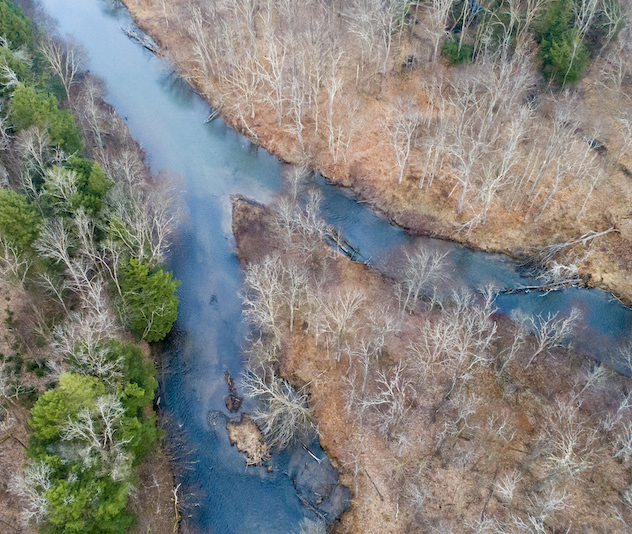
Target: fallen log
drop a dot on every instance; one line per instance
(555, 286)
(144, 40)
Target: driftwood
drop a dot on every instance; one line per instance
(213, 114)
(561, 273)
(144, 40)
(554, 286)
(374, 485)
(233, 400)
(311, 453)
(312, 508)
(336, 239)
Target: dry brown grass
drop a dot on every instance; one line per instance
(370, 169)
(246, 436)
(457, 473)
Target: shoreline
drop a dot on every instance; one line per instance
(383, 464)
(603, 273)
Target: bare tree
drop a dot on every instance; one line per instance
(66, 61)
(468, 137)
(274, 73)
(14, 265)
(95, 119)
(393, 18)
(506, 487)
(6, 389)
(31, 484)
(264, 295)
(296, 280)
(333, 86)
(364, 22)
(571, 445)
(281, 411)
(402, 127)
(423, 270)
(83, 342)
(338, 319)
(142, 219)
(34, 149)
(396, 392)
(60, 185)
(613, 17)
(94, 431)
(584, 14)
(301, 226)
(623, 443)
(520, 331)
(625, 121)
(551, 331)
(436, 22)
(432, 348)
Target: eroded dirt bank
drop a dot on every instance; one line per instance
(368, 168)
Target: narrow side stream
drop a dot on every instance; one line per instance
(167, 118)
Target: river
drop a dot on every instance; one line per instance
(211, 163)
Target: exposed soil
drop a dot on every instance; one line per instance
(369, 169)
(246, 436)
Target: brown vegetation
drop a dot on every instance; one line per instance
(484, 154)
(443, 415)
(247, 437)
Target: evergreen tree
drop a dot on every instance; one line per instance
(14, 26)
(29, 108)
(92, 184)
(150, 302)
(562, 51)
(19, 220)
(53, 408)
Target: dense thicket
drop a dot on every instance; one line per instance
(88, 434)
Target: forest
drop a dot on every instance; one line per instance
(501, 124)
(442, 414)
(84, 230)
(505, 125)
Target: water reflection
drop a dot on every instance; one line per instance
(167, 119)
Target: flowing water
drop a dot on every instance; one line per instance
(212, 162)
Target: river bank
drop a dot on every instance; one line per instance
(494, 445)
(27, 364)
(368, 170)
(54, 334)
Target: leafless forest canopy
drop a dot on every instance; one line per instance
(506, 130)
(446, 416)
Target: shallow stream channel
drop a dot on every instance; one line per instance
(210, 162)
